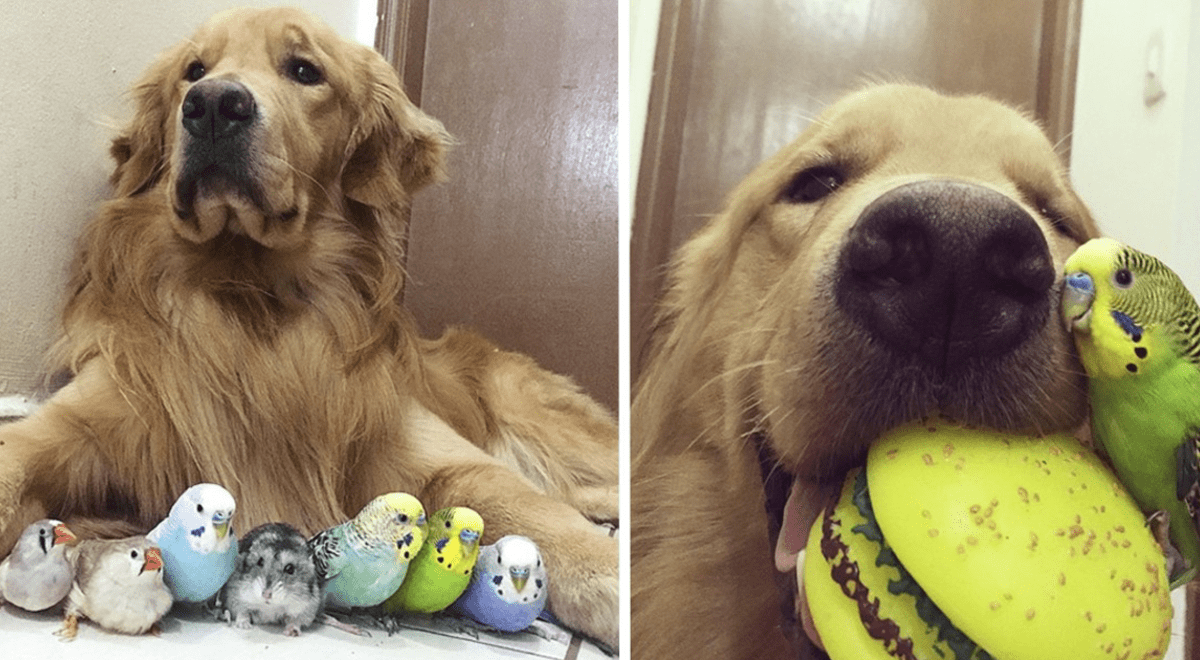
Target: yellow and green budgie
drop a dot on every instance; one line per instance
(1138, 333)
(442, 568)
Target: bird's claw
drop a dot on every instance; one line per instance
(70, 628)
(329, 620)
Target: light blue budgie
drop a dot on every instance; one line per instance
(199, 546)
(364, 560)
(508, 586)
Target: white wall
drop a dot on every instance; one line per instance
(1138, 166)
(64, 67)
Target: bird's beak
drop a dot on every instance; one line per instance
(221, 524)
(1079, 292)
(64, 536)
(153, 560)
(519, 577)
(469, 537)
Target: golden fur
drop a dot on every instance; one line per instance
(243, 328)
(751, 344)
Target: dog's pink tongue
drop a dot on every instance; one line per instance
(804, 505)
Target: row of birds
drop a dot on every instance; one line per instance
(389, 555)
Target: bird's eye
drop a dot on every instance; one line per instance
(133, 554)
(303, 71)
(199, 508)
(195, 71)
(260, 562)
(813, 184)
(289, 569)
(403, 518)
(447, 524)
(43, 532)
(1123, 278)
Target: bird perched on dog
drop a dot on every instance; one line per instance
(508, 586)
(442, 568)
(35, 575)
(1138, 333)
(198, 543)
(364, 560)
(275, 581)
(118, 584)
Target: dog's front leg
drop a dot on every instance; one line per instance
(52, 464)
(18, 508)
(581, 557)
(448, 470)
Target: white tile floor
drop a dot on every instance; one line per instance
(190, 634)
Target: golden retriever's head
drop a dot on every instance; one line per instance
(265, 119)
(900, 259)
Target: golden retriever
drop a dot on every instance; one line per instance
(900, 258)
(232, 316)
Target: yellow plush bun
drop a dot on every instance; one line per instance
(1028, 548)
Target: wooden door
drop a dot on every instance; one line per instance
(736, 80)
(521, 242)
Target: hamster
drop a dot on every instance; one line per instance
(275, 581)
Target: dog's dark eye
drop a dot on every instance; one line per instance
(1057, 222)
(812, 185)
(195, 71)
(303, 71)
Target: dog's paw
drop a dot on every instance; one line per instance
(585, 587)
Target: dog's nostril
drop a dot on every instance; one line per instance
(889, 254)
(1017, 263)
(236, 104)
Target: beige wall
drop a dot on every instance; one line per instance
(63, 71)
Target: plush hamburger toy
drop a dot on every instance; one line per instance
(955, 543)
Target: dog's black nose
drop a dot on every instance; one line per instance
(214, 109)
(946, 270)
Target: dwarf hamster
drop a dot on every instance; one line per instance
(275, 581)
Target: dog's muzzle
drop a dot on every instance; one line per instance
(219, 117)
(946, 270)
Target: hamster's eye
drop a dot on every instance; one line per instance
(289, 569)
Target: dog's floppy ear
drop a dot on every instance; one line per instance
(395, 149)
(140, 148)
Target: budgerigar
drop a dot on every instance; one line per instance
(441, 570)
(364, 560)
(508, 586)
(199, 546)
(118, 584)
(36, 575)
(1138, 333)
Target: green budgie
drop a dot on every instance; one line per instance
(442, 569)
(1138, 333)
(364, 560)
